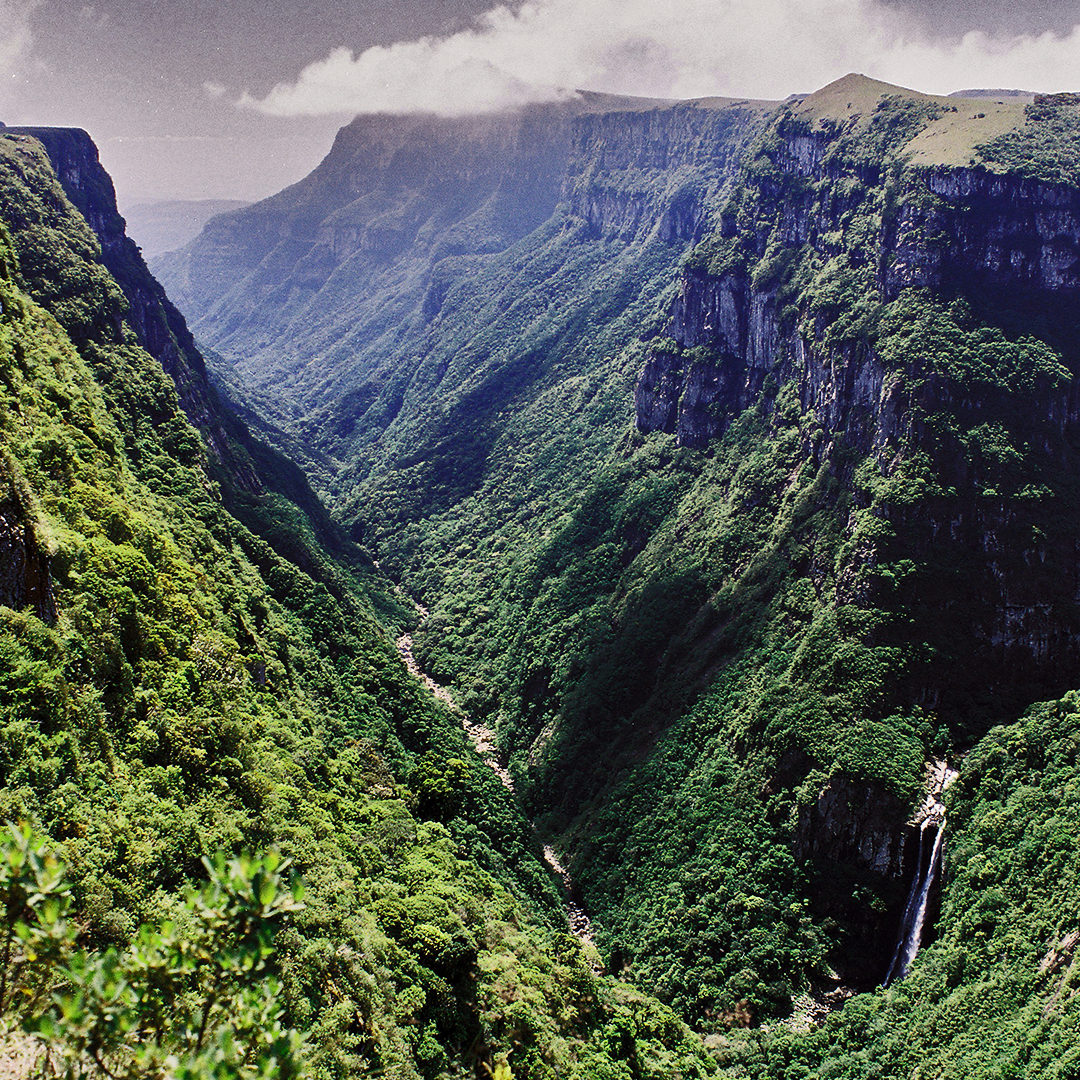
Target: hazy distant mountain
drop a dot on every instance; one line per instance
(158, 227)
(1011, 95)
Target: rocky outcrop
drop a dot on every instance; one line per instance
(875, 835)
(869, 827)
(25, 580)
(980, 236)
(616, 156)
(856, 823)
(724, 342)
(986, 230)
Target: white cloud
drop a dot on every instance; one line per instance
(15, 36)
(213, 89)
(679, 48)
(1048, 62)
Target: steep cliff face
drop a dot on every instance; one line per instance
(958, 233)
(388, 185)
(726, 342)
(158, 326)
(982, 232)
(59, 205)
(323, 294)
(25, 579)
(695, 146)
(805, 305)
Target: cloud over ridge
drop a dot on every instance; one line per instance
(683, 48)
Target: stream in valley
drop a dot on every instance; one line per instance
(483, 741)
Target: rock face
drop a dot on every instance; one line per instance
(318, 290)
(1008, 247)
(867, 826)
(874, 835)
(981, 236)
(987, 232)
(727, 342)
(858, 824)
(693, 144)
(24, 567)
(388, 184)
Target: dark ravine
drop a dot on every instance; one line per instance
(25, 579)
(471, 380)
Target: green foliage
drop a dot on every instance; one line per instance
(684, 651)
(1046, 147)
(35, 933)
(991, 996)
(198, 692)
(924, 339)
(190, 1000)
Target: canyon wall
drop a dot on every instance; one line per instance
(1007, 248)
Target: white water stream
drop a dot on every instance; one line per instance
(483, 740)
(911, 926)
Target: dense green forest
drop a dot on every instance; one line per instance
(740, 490)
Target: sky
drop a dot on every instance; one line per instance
(193, 99)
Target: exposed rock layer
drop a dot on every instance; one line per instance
(24, 567)
(1007, 246)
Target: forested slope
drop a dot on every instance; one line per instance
(171, 685)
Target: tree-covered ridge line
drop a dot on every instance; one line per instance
(260, 486)
(193, 690)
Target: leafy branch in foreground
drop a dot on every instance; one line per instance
(190, 1000)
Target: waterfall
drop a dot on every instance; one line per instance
(911, 926)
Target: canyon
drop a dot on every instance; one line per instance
(728, 448)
